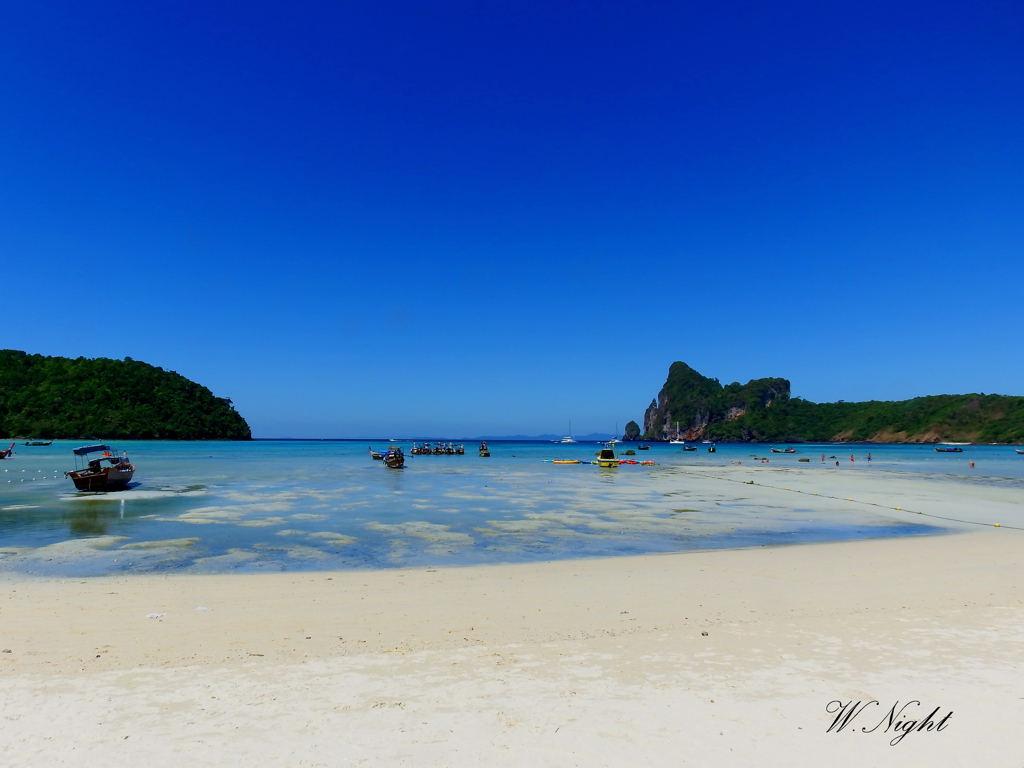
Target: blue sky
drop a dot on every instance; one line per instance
(463, 218)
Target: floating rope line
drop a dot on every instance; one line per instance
(866, 503)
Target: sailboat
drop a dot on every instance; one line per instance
(677, 441)
(568, 438)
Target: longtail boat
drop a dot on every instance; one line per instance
(8, 453)
(394, 458)
(96, 477)
(782, 450)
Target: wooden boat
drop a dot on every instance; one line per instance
(394, 458)
(949, 449)
(8, 453)
(689, 447)
(1018, 450)
(606, 458)
(712, 449)
(460, 450)
(373, 454)
(449, 450)
(782, 450)
(39, 442)
(643, 447)
(96, 477)
(484, 450)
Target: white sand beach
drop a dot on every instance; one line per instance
(573, 662)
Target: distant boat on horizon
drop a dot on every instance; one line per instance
(568, 438)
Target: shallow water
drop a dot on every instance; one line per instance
(272, 505)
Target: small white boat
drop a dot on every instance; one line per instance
(568, 438)
(677, 441)
(1018, 450)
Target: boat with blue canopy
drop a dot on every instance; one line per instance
(90, 473)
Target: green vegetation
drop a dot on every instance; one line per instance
(763, 411)
(57, 397)
(632, 431)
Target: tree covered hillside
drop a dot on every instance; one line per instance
(60, 397)
(763, 410)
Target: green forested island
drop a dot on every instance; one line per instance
(60, 397)
(763, 411)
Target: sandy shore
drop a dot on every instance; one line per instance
(597, 662)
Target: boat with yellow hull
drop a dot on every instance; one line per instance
(607, 458)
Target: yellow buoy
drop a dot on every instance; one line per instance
(996, 524)
(898, 507)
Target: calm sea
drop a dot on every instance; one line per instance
(274, 505)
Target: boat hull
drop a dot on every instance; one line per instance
(112, 479)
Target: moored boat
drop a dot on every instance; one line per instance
(712, 449)
(606, 458)
(689, 447)
(39, 442)
(678, 440)
(782, 450)
(374, 454)
(6, 454)
(394, 458)
(96, 477)
(1018, 450)
(950, 449)
(643, 447)
(484, 450)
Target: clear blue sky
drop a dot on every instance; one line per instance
(475, 217)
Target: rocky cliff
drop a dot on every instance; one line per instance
(689, 403)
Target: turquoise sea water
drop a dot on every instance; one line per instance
(271, 505)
